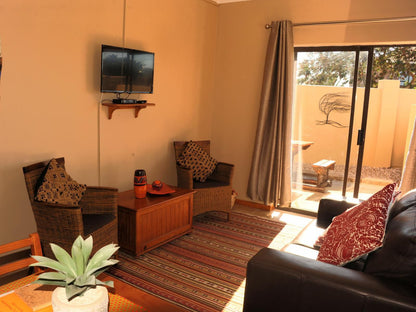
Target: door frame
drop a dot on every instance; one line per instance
(361, 136)
(362, 131)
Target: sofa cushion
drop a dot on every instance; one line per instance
(406, 201)
(358, 230)
(195, 158)
(397, 258)
(57, 187)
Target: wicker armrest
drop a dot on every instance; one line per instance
(184, 177)
(57, 221)
(53, 206)
(223, 173)
(60, 226)
(99, 200)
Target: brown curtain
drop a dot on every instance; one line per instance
(270, 175)
(408, 181)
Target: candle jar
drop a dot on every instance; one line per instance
(140, 183)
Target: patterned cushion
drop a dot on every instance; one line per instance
(58, 187)
(358, 230)
(195, 158)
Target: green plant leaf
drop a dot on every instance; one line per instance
(78, 259)
(87, 248)
(52, 264)
(78, 242)
(103, 269)
(64, 258)
(72, 291)
(49, 282)
(101, 255)
(104, 265)
(41, 258)
(106, 283)
(83, 280)
(69, 280)
(53, 276)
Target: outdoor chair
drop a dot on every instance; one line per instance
(214, 194)
(15, 258)
(96, 214)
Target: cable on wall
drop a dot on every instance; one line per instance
(123, 38)
(124, 23)
(99, 139)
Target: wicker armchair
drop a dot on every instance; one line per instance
(215, 192)
(96, 214)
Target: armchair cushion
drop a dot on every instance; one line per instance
(93, 222)
(195, 158)
(208, 184)
(358, 230)
(57, 187)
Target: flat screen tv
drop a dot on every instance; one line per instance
(126, 70)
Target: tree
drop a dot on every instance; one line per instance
(337, 68)
(395, 63)
(326, 68)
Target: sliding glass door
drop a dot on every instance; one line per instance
(348, 133)
(390, 118)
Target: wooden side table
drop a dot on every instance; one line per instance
(146, 223)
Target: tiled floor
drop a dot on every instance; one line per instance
(372, 180)
(309, 200)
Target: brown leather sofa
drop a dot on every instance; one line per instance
(385, 280)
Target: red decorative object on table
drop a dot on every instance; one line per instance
(159, 188)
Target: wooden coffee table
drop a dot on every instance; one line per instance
(146, 223)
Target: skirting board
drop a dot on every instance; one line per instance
(254, 205)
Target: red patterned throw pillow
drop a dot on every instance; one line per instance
(358, 230)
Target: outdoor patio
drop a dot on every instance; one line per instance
(372, 180)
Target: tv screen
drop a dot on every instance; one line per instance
(126, 70)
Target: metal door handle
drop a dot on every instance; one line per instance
(360, 137)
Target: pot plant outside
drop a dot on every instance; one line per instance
(76, 274)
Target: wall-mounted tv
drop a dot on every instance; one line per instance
(126, 70)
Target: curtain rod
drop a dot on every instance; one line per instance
(375, 20)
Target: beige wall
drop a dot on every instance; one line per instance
(209, 64)
(50, 99)
(241, 51)
(183, 36)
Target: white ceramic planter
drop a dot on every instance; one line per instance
(93, 300)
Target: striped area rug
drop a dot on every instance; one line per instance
(205, 270)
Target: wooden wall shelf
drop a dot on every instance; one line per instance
(137, 107)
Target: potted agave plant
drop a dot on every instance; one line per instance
(77, 275)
